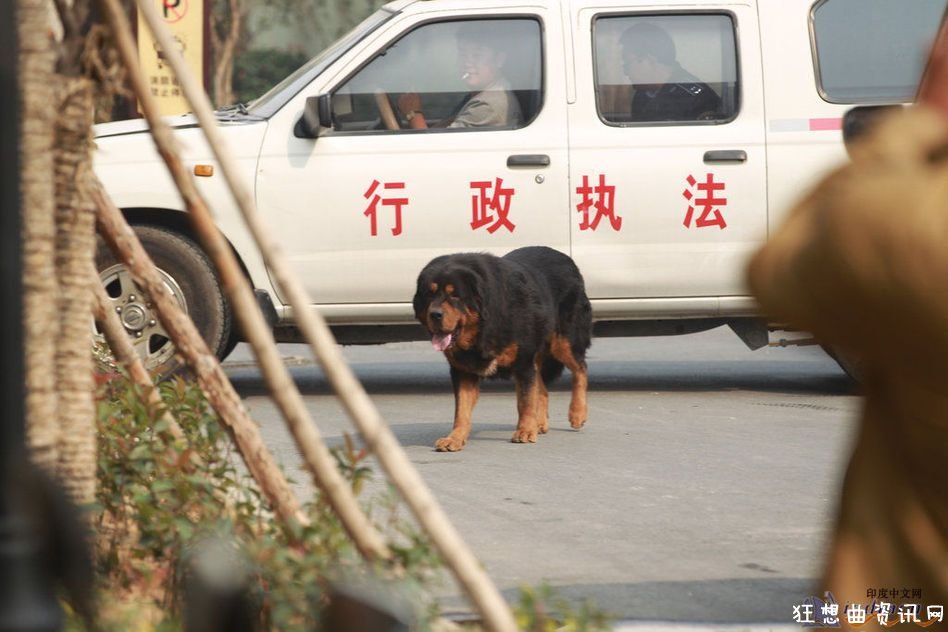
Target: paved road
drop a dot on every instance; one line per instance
(701, 490)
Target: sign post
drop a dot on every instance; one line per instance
(185, 19)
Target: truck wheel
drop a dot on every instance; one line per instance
(189, 275)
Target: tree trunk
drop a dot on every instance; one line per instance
(59, 245)
(224, 52)
(40, 287)
(75, 252)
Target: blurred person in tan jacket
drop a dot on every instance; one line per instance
(862, 263)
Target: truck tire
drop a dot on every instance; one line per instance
(190, 277)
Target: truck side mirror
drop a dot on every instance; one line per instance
(317, 113)
(858, 120)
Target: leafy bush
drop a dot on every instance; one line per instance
(256, 71)
(159, 498)
(541, 610)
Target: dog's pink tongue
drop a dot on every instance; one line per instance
(441, 341)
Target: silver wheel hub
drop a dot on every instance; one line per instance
(135, 311)
(134, 317)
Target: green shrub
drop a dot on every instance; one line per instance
(256, 71)
(541, 610)
(159, 498)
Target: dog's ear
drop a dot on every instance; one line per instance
(478, 294)
(420, 300)
(432, 270)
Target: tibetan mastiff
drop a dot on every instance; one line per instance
(524, 315)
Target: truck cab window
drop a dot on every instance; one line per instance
(666, 69)
(458, 75)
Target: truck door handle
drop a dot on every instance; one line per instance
(725, 155)
(528, 160)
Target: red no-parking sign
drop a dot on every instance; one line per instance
(174, 10)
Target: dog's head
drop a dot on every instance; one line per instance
(448, 301)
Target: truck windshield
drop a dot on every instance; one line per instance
(266, 105)
(872, 50)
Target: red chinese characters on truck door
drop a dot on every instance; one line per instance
(707, 202)
(599, 198)
(374, 198)
(485, 204)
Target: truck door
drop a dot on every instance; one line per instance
(360, 210)
(667, 156)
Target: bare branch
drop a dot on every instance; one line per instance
(124, 352)
(376, 434)
(67, 18)
(317, 456)
(220, 392)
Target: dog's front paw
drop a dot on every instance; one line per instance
(524, 435)
(543, 426)
(577, 417)
(449, 444)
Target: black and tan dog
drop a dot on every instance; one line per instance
(524, 315)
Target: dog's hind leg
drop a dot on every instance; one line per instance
(562, 350)
(528, 398)
(467, 388)
(543, 397)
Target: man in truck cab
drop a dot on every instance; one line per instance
(491, 102)
(664, 91)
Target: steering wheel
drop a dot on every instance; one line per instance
(386, 111)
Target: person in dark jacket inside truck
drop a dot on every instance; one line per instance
(664, 91)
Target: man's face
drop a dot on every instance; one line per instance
(642, 69)
(479, 65)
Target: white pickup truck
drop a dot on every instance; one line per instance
(659, 205)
